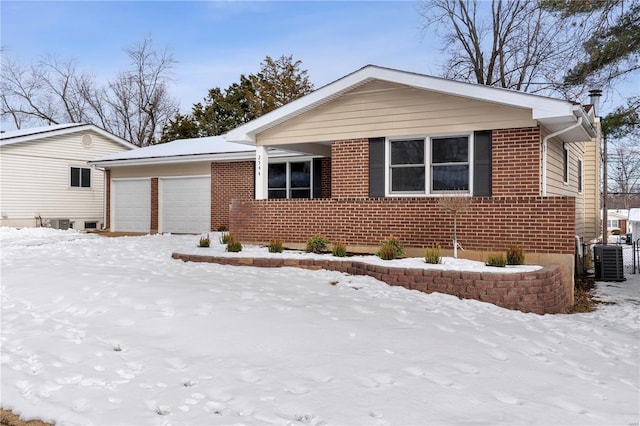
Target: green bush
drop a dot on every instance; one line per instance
(317, 244)
(515, 256)
(233, 245)
(224, 238)
(496, 259)
(390, 249)
(339, 249)
(432, 255)
(275, 246)
(205, 241)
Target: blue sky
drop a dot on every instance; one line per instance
(215, 42)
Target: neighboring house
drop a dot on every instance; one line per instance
(376, 151)
(184, 186)
(45, 179)
(634, 224)
(617, 220)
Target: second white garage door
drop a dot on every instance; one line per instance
(185, 205)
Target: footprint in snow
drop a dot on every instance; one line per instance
(296, 389)
(507, 399)
(375, 381)
(466, 368)
(499, 355)
(414, 371)
(438, 379)
(249, 376)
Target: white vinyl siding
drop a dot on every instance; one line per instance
(382, 109)
(35, 179)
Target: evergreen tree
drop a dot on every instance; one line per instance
(279, 82)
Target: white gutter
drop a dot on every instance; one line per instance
(544, 151)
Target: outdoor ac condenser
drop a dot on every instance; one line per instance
(609, 263)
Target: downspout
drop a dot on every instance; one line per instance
(544, 151)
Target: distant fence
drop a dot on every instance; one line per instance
(630, 257)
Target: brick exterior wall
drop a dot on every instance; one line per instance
(154, 205)
(326, 178)
(537, 224)
(229, 181)
(542, 292)
(350, 169)
(516, 162)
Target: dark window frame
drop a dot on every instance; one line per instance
(80, 177)
(290, 190)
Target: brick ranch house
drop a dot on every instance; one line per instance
(368, 156)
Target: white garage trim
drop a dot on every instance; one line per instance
(184, 204)
(131, 205)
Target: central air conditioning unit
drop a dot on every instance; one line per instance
(609, 263)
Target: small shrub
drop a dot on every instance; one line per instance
(275, 246)
(233, 245)
(223, 228)
(339, 249)
(496, 259)
(515, 256)
(224, 238)
(432, 255)
(317, 244)
(390, 249)
(205, 241)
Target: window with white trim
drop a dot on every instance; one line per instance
(290, 179)
(428, 165)
(80, 177)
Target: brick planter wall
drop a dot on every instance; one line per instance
(541, 292)
(537, 224)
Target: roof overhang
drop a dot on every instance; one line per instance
(549, 112)
(58, 130)
(177, 159)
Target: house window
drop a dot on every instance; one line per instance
(565, 163)
(450, 164)
(290, 180)
(580, 178)
(613, 223)
(80, 177)
(440, 164)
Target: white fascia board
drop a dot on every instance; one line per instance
(41, 134)
(542, 107)
(223, 157)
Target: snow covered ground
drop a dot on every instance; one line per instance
(113, 331)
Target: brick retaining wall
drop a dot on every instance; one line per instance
(541, 292)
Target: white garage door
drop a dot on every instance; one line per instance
(131, 205)
(185, 205)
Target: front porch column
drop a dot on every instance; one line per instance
(262, 175)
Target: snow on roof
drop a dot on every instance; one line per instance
(39, 133)
(11, 134)
(634, 214)
(180, 148)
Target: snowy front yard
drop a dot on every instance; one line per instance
(113, 331)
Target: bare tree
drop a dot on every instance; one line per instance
(456, 203)
(134, 105)
(513, 44)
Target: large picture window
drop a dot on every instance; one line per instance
(428, 165)
(80, 177)
(290, 180)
